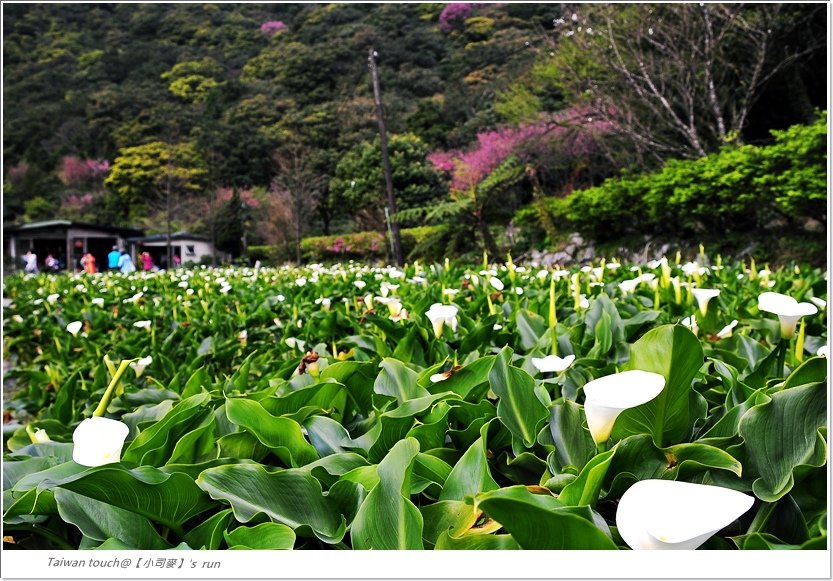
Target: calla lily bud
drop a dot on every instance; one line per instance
(668, 514)
(38, 435)
(98, 441)
(607, 397)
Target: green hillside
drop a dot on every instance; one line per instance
(111, 109)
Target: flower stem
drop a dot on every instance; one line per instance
(783, 345)
(105, 399)
(761, 518)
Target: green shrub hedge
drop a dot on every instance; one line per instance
(738, 188)
(357, 246)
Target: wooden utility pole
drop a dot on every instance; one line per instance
(383, 141)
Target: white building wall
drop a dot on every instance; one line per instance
(200, 248)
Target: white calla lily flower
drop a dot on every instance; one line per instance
(552, 363)
(142, 324)
(440, 315)
(51, 299)
(98, 441)
(824, 351)
(668, 514)
(438, 377)
(294, 343)
(788, 309)
(703, 296)
(74, 327)
(139, 365)
(691, 323)
(727, 330)
(98, 301)
(608, 396)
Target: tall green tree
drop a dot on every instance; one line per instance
(359, 184)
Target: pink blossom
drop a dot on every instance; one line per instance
(454, 13)
(18, 172)
(77, 203)
(272, 27)
(224, 194)
(574, 131)
(77, 172)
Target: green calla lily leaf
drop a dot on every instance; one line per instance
(281, 435)
(471, 474)
(208, 534)
(675, 353)
(291, 497)
(387, 519)
(268, 535)
(518, 409)
(781, 434)
(538, 523)
(101, 521)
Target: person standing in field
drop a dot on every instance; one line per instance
(31, 262)
(125, 262)
(89, 263)
(147, 261)
(113, 259)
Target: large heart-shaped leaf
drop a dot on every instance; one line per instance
(292, 497)
(169, 499)
(100, 521)
(675, 353)
(781, 434)
(387, 519)
(398, 381)
(518, 409)
(540, 523)
(471, 474)
(573, 443)
(281, 435)
(154, 445)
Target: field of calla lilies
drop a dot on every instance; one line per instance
(668, 405)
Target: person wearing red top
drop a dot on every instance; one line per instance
(147, 261)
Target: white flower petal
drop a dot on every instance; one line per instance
(552, 363)
(727, 330)
(98, 441)
(608, 396)
(787, 308)
(74, 327)
(440, 314)
(139, 365)
(668, 514)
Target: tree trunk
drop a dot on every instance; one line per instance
(489, 243)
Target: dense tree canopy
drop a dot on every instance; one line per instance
(232, 85)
